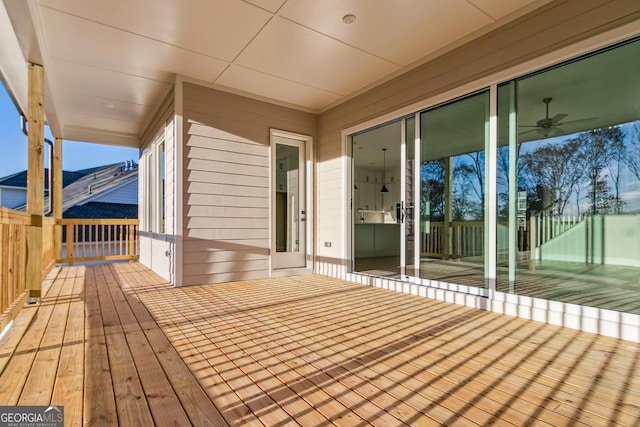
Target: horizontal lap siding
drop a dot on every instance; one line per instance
(553, 26)
(227, 183)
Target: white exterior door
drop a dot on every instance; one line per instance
(289, 203)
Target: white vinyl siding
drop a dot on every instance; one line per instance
(12, 197)
(227, 183)
(126, 194)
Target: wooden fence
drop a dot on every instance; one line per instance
(13, 261)
(466, 240)
(48, 245)
(99, 240)
(467, 237)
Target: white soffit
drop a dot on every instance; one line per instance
(13, 75)
(109, 64)
(219, 29)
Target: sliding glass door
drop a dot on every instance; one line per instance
(562, 221)
(453, 138)
(377, 204)
(419, 195)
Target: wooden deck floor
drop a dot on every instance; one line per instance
(115, 345)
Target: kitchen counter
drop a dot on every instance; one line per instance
(377, 239)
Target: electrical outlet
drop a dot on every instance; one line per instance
(327, 244)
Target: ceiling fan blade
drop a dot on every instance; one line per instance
(557, 118)
(530, 130)
(571, 122)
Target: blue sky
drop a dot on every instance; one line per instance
(75, 155)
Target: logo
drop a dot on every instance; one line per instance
(31, 416)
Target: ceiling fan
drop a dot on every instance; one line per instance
(550, 126)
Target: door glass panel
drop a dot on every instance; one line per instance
(452, 191)
(288, 207)
(376, 200)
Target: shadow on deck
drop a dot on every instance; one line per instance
(115, 344)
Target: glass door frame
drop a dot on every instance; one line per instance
(304, 257)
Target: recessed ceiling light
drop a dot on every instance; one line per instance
(349, 19)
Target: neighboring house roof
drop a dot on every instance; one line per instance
(98, 181)
(19, 179)
(102, 210)
(93, 183)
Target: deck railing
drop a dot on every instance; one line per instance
(99, 240)
(13, 257)
(548, 227)
(466, 240)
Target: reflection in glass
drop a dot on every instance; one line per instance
(568, 172)
(287, 198)
(452, 193)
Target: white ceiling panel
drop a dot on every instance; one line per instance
(105, 47)
(244, 79)
(104, 123)
(305, 56)
(79, 104)
(211, 28)
(294, 52)
(398, 31)
(271, 5)
(105, 85)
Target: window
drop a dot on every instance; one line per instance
(154, 209)
(568, 171)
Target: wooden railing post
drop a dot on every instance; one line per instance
(70, 243)
(35, 181)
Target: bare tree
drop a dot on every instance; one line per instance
(632, 159)
(432, 190)
(598, 150)
(468, 176)
(553, 173)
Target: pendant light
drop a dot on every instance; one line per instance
(384, 171)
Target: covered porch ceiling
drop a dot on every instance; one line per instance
(108, 65)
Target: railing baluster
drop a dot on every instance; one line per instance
(100, 239)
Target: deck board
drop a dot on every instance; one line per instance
(17, 369)
(99, 399)
(116, 344)
(69, 383)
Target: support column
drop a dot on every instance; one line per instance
(35, 181)
(56, 196)
(448, 195)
